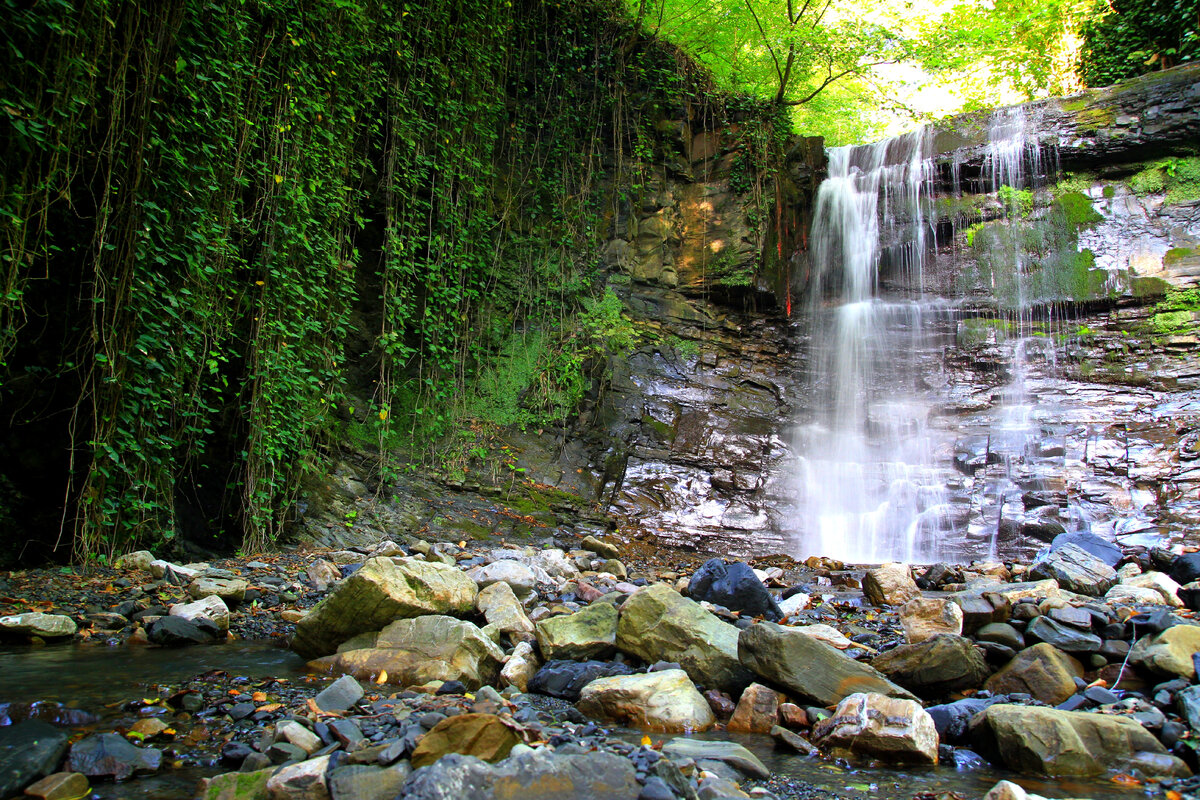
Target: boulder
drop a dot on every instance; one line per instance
(380, 591)
(28, 750)
(484, 736)
(176, 573)
(734, 586)
(925, 617)
(500, 607)
(878, 726)
(547, 563)
(1052, 742)
(600, 548)
(37, 623)
(807, 666)
(210, 607)
(521, 666)
(231, 590)
(589, 633)
(341, 695)
(1160, 583)
(566, 679)
(1185, 568)
(731, 753)
(540, 774)
(60, 786)
(1041, 671)
(1168, 653)
(110, 755)
(935, 666)
(416, 651)
(659, 624)
(322, 574)
(660, 701)
(757, 710)
(137, 560)
(304, 780)
(890, 584)
(1126, 595)
(1076, 570)
(368, 782)
(521, 578)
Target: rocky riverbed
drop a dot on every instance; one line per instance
(604, 669)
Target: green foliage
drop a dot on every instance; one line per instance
(1178, 177)
(1127, 38)
(1016, 202)
(1077, 208)
(198, 199)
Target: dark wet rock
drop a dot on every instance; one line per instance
(533, 775)
(1187, 702)
(28, 750)
(174, 631)
(1064, 637)
(807, 666)
(1041, 671)
(566, 679)
(46, 711)
(1185, 569)
(1001, 633)
(735, 586)
(934, 667)
(951, 719)
(1051, 742)
(1076, 570)
(657, 623)
(655, 788)
(1151, 622)
(1098, 546)
(235, 752)
(109, 755)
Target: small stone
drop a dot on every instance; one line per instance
(757, 710)
(600, 548)
(210, 607)
(298, 735)
(60, 786)
(306, 780)
(340, 695)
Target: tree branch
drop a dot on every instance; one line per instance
(770, 49)
(830, 78)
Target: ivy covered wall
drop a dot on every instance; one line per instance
(217, 219)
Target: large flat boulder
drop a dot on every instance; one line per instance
(659, 624)
(1051, 742)
(659, 701)
(382, 590)
(1076, 570)
(878, 726)
(416, 651)
(807, 666)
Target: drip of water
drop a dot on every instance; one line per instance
(868, 489)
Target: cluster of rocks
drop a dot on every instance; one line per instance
(458, 667)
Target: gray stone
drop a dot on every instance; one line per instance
(367, 782)
(1076, 570)
(210, 607)
(28, 751)
(340, 695)
(1063, 637)
(37, 623)
(1001, 633)
(807, 666)
(539, 774)
(731, 753)
(109, 755)
(230, 590)
(500, 607)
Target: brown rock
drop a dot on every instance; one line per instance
(60, 786)
(722, 704)
(1043, 671)
(877, 725)
(926, 617)
(890, 584)
(757, 710)
(484, 736)
(792, 715)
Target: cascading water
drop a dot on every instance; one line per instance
(869, 489)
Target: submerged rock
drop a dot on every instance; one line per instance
(539, 774)
(109, 755)
(28, 750)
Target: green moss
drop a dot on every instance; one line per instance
(1149, 181)
(1170, 322)
(1176, 255)
(1080, 182)
(1110, 192)
(1077, 207)
(1016, 201)
(1148, 287)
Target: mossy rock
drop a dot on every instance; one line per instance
(1077, 208)
(1177, 255)
(1148, 287)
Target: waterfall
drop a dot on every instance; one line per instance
(869, 489)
